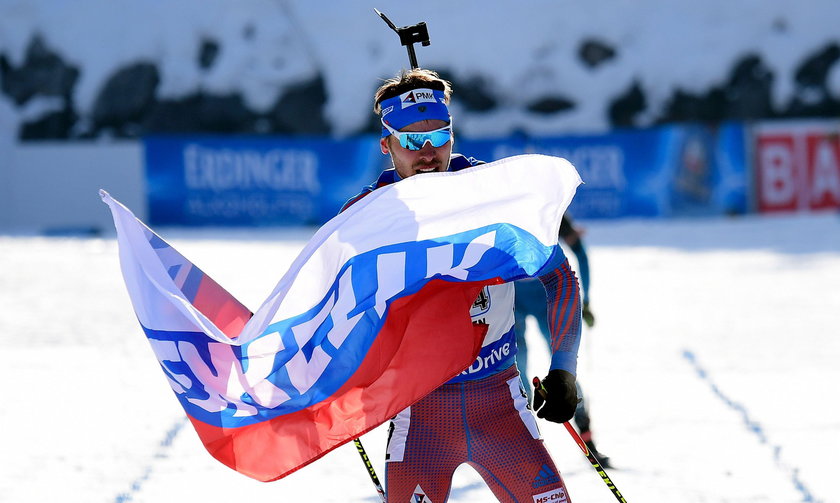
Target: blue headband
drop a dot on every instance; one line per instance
(413, 106)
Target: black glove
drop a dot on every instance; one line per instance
(587, 315)
(555, 398)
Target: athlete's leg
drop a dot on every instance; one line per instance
(520, 316)
(426, 443)
(583, 423)
(505, 445)
(581, 412)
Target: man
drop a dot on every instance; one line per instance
(530, 300)
(481, 416)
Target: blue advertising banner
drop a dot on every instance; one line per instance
(232, 181)
(678, 170)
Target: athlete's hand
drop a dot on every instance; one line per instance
(587, 315)
(555, 398)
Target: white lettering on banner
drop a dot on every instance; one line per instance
(600, 166)
(797, 168)
(390, 268)
(345, 303)
(255, 205)
(826, 173)
(778, 184)
(304, 373)
(261, 353)
(440, 258)
(218, 384)
(389, 282)
(226, 169)
(226, 382)
(167, 351)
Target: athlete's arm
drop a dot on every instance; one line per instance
(572, 237)
(563, 302)
(556, 398)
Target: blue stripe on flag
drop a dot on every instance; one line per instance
(194, 362)
(192, 282)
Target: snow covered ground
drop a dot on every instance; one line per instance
(711, 371)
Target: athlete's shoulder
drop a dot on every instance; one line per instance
(387, 177)
(567, 226)
(457, 162)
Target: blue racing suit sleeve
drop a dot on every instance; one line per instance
(583, 268)
(563, 299)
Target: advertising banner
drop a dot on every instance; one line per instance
(681, 170)
(797, 166)
(230, 181)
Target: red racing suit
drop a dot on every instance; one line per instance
(481, 417)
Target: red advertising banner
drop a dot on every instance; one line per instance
(797, 166)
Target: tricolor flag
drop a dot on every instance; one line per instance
(370, 317)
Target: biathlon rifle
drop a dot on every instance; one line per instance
(409, 35)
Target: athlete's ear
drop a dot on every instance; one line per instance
(383, 145)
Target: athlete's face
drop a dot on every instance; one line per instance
(412, 162)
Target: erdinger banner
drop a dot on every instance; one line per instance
(250, 181)
(680, 170)
(370, 317)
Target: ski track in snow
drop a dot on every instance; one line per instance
(753, 426)
(758, 421)
(162, 452)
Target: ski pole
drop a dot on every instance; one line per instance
(370, 470)
(596, 464)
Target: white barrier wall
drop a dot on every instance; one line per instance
(53, 186)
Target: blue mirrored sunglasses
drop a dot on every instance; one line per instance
(416, 140)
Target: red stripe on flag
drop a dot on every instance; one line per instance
(427, 339)
(220, 307)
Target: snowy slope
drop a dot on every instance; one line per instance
(519, 52)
